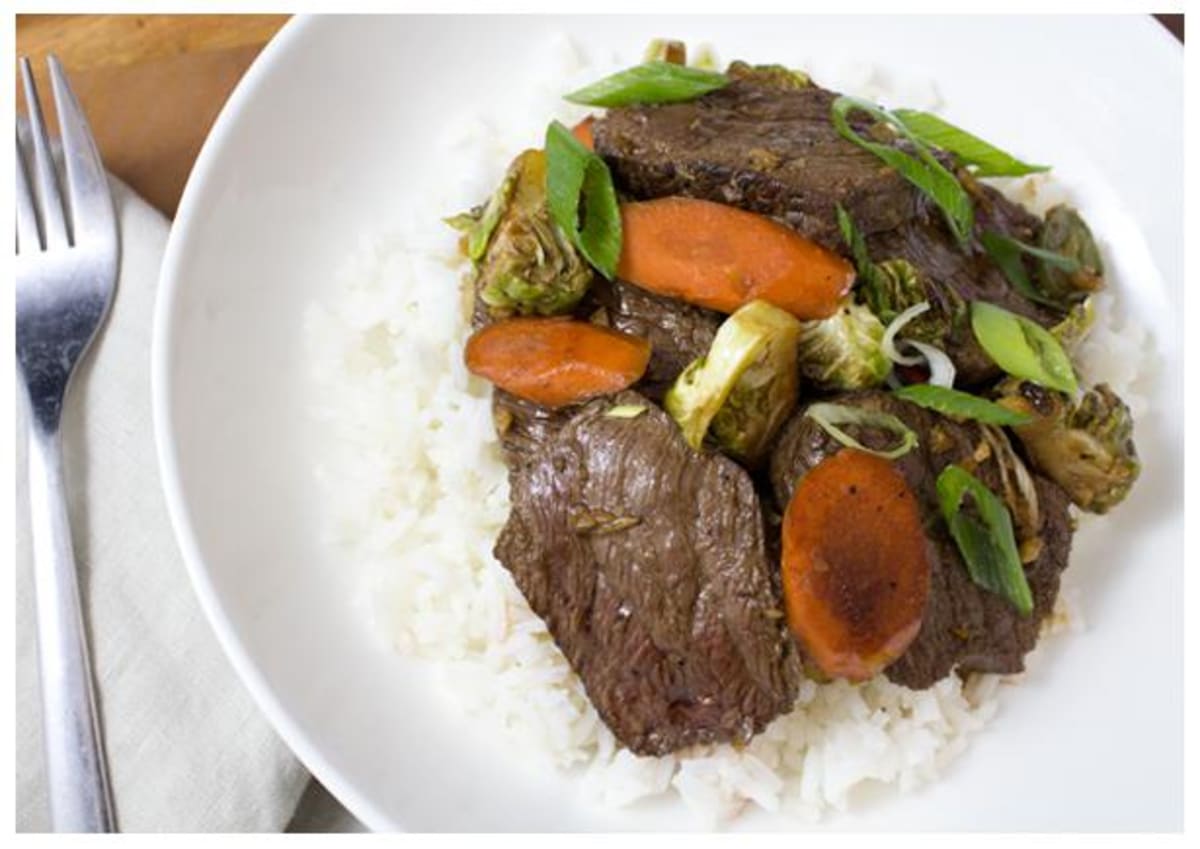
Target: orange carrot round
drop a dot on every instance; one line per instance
(556, 361)
(722, 257)
(583, 132)
(856, 564)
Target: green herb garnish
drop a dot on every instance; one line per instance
(1006, 253)
(960, 405)
(922, 170)
(651, 82)
(831, 416)
(983, 159)
(1022, 348)
(985, 539)
(858, 247)
(578, 181)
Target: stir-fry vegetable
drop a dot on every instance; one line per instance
(651, 82)
(1076, 325)
(666, 50)
(777, 76)
(721, 257)
(583, 132)
(1066, 235)
(831, 417)
(744, 387)
(844, 351)
(524, 264)
(556, 361)
(984, 534)
(578, 186)
(959, 405)
(856, 565)
(893, 286)
(922, 170)
(1085, 447)
(1022, 348)
(981, 158)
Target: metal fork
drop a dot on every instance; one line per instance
(66, 267)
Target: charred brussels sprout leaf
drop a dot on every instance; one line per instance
(893, 286)
(1086, 448)
(776, 76)
(1066, 233)
(525, 263)
(844, 351)
(744, 387)
(1076, 325)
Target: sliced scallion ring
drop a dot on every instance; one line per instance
(831, 416)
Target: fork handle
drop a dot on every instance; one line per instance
(78, 777)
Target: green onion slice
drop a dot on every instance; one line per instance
(959, 405)
(1006, 253)
(984, 159)
(651, 82)
(575, 178)
(922, 170)
(831, 416)
(858, 246)
(625, 411)
(1022, 348)
(985, 540)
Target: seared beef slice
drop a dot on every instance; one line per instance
(646, 561)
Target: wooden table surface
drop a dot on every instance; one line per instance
(151, 85)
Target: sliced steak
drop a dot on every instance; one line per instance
(646, 561)
(762, 148)
(523, 426)
(677, 332)
(965, 627)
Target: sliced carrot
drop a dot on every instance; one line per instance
(856, 564)
(583, 132)
(556, 361)
(721, 257)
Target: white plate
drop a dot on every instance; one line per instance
(331, 128)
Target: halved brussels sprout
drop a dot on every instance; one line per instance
(1085, 447)
(525, 265)
(771, 75)
(894, 285)
(844, 350)
(1076, 325)
(744, 387)
(1067, 234)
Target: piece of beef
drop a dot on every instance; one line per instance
(677, 332)
(523, 426)
(646, 561)
(775, 151)
(762, 148)
(965, 627)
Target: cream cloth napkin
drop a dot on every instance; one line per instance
(187, 748)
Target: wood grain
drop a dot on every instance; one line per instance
(151, 85)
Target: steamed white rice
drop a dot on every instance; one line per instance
(418, 493)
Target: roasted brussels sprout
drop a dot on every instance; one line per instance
(1076, 325)
(744, 388)
(771, 75)
(666, 50)
(524, 263)
(844, 350)
(1067, 234)
(1085, 447)
(892, 286)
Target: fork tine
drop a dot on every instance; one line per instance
(27, 228)
(53, 224)
(87, 183)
